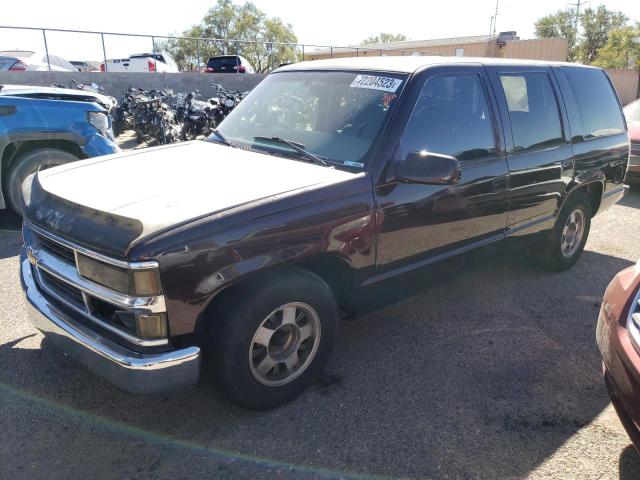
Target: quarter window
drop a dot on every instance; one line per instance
(533, 110)
(451, 117)
(598, 110)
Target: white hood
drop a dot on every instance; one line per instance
(168, 185)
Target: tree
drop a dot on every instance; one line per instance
(622, 49)
(262, 37)
(384, 38)
(597, 25)
(559, 24)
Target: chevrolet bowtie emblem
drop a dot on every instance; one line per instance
(30, 256)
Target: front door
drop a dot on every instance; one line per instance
(418, 223)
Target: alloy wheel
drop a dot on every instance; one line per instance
(284, 344)
(572, 233)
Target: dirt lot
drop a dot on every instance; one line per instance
(491, 373)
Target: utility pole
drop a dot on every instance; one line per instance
(495, 18)
(577, 5)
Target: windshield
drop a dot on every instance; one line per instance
(333, 115)
(632, 111)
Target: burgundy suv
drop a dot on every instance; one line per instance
(328, 179)
(618, 336)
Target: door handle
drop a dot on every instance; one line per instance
(500, 184)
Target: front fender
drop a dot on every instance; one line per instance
(98, 145)
(205, 257)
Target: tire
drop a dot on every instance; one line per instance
(562, 248)
(29, 163)
(238, 347)
(116, 125)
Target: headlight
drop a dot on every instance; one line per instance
(136, 283)
(229, 103)
(100, 121)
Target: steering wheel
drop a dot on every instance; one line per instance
(364, 125)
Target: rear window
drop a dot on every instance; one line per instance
(158, 57)
(6, 62)
(218, 62)
(598, 111)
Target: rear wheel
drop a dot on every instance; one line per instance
(566, 241)
(272, 337)
(25, 165)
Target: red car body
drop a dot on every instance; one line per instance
(618, 337)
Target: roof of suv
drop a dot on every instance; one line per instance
(407, 64)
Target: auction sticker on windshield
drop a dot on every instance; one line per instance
(386, 84)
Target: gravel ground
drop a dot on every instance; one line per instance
(492, 372)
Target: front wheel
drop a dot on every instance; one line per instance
(272, 337)
(566, 241)
(25, 165)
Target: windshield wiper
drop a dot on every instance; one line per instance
(217, 133)
(295, 146)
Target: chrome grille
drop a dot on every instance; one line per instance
(57, 249)
(56, 273)
(633, 322)
(634, 156)
(62, 289)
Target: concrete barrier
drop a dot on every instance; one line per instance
(115, 83)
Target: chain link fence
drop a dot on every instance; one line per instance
(190, 53)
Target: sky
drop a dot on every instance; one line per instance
(325, 22)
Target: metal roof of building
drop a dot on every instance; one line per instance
(410, 44)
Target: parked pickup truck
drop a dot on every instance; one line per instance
(142, 62)
(42, 127)
(328, 179)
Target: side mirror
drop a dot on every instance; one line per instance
(430, 168)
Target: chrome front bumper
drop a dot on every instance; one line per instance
(129, 370)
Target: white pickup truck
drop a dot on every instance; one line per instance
(142, 62)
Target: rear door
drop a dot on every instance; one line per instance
(600, 139)
(539, 153)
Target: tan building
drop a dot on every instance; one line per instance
(505, 45)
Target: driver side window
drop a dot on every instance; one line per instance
(451, 117)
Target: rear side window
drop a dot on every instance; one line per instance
(596, 104)
(533, 110)
(451, 117)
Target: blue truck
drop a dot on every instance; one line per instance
(41, 127)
